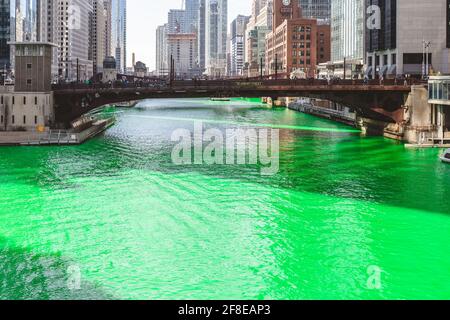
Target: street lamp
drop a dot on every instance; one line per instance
(425, 61)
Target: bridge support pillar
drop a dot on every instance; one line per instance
(272, 101)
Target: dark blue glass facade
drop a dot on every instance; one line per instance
(5, 32)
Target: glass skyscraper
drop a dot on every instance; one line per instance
(192, 12)
(119, 33)
(215, 33)
(316, 9)
(5, 33)
(27, 20)
(347, 34)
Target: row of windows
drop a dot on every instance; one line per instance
(439, 90)
(13, 119)
(302, 29)
(2, 100)
(301, 61)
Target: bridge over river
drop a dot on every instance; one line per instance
(372, 99)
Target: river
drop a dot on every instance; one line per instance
(346, 216)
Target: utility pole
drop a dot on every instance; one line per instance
(423, 59)
(426, 57)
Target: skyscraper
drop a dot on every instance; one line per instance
(73, 31)
(119, 33)
(107, 5)
(176, 21)
(201, 34)
(26, 20)
(255, 37)
(99, 32)
(5, 33)
(215, 29)
(162, 65)
(182, 47)
(192, 12)
(29, 20)
(347, 35)
(237, 44)
(316, 9)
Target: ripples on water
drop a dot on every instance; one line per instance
(136, 226)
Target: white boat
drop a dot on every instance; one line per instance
(445, 157)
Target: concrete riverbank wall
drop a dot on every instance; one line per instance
(418, 122)
(54, 137)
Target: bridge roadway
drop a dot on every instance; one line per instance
(71, 101)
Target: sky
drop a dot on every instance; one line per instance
(143, 16)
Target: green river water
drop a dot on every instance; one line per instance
(115, 218)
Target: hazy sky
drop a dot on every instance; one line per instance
(143, 16)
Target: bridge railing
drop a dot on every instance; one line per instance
(234, 83)
(100, 86)
(291, 82)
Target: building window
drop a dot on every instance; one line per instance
(29, 82)
(416, 58)
(1, 100)
(1, 119)
(35, 100)
(13, 119)
(24, 100)
(24, 119)
(28, 65)
(13, 100)
(35, 119)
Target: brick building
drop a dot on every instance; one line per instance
(296, 43)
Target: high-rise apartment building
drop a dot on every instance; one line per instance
(182, 47)
(119, 33)
(237, 44)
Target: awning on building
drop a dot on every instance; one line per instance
(392, 71)
(368, 71)
(383, 70)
